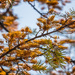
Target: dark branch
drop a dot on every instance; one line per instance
(2, 25)
(36, 38)
(37, 10)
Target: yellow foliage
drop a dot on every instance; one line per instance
(53, 73)
(43, 41)
(2, 73)
(46, 27)
(11, 73)
(73, 69)
(8, 20)
(43, 20)
(62, 21)
(27, 67)
(67, 58)
(1, 47)
(52, 2)
(13, 69)
(1, 41)
(55, 37)
(33, 61)
(2, 0)
(51, 18)
(62, 47)
(0, 69)
(34, 45)
(21, 64)
(33, 54)
(38, 24)
(29, 0)
(68, 73)
(67, 41)
(7, 64)
(72, 30)
(1, 62)
(5, 49)
(5, 36)
(26, 73)
(10, 58)
(26, 46)
(51, 10)
(42, 1)
(27, 30)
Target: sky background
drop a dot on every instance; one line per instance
(28, 17)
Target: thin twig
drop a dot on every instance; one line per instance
(26, 64)
(37, 10)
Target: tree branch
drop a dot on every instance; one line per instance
(37, 10)
(2, 25)
(10, 50)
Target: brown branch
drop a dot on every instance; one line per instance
(2, 25)
(10, 50)
(36, 9)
